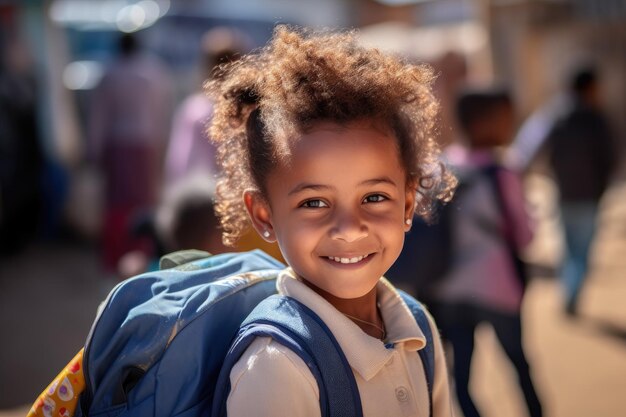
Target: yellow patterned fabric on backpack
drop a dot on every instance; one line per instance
(60, 398)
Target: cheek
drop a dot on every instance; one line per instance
(390, 230)
(393, 230)
(291, 226)
(395, 237)
(295, 235)
(390, 216)
(393, 249)
(391, 226)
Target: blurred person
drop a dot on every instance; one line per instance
(190, 153)
(582, 157)
(129, 118)
(189, 150)
(533, 132)
(21, 153)
(485, 281)
(185, 219)
(453, 69)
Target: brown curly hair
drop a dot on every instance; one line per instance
(301, 78)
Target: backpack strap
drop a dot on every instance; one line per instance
(63, 392)
(298, 328)
(181, 257)
(427, 354)
(521, 269)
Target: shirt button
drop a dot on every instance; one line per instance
(402, 394)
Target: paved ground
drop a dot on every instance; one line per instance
(48, 297)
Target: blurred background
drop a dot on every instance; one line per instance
(93, 93)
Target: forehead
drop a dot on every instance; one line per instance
(324, 135)
(333, 153)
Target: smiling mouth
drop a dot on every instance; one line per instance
(352, 260)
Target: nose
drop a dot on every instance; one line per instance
(348, 227)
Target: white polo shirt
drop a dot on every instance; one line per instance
(271, 380)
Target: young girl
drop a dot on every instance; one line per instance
(328, 143)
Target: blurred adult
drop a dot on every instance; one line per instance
(582, 156)
(127, 134)
(190, 154)
(21, 155)
(189, 151)
(453, 73)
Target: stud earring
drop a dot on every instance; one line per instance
(408, 222)
(266, 234)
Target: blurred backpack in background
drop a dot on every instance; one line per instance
(428, 250)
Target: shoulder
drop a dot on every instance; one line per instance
(270, 379)
(422, 316)
(265, 354)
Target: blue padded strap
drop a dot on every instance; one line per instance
(298, 328)
(427, 354)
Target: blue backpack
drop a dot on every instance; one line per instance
(164, 343)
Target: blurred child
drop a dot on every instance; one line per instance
(187, 218)
(184, 220)
(327, 143)
(486, 280)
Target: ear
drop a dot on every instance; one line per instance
(260, 215)
(409, 204)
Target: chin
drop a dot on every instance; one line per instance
(351, 293)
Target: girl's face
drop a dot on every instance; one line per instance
(338, 207)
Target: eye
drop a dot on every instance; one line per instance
(314, 204)
(374, 198)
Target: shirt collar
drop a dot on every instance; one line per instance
(366, 355)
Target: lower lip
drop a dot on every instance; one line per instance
(350, 265)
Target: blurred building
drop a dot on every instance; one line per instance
(537, 43)
(530, 45)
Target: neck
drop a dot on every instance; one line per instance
(363, 308)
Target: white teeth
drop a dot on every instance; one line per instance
(347, 260)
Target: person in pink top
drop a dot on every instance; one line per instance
(486, 279)
(189, 152)
(129, 114)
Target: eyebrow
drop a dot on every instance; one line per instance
(376, 181)
(319, 187)
(307, 186)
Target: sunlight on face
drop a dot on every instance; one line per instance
(338, 207)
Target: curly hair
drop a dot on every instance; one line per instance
(301, 78)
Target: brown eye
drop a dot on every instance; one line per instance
(374, 198)
(314, 204)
